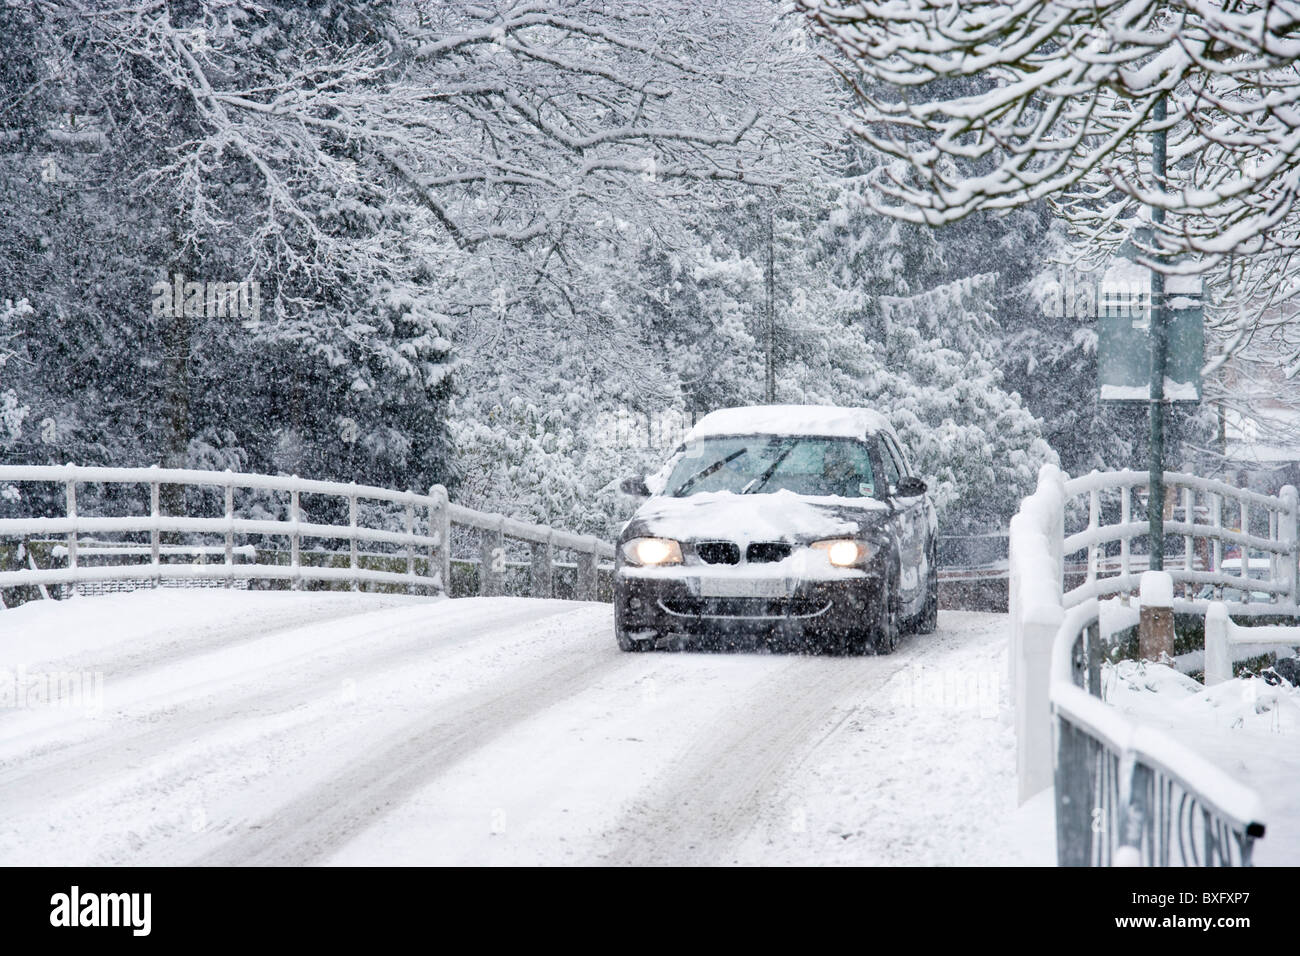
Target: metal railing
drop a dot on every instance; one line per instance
(1128, 794)
(418, 558)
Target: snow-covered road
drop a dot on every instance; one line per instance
(273, 727)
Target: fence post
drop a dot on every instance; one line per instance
(587, 572)
(440, 528)
(1094, 522)
(491, 552)
(1033, 703)
(543, 566)
(1287, 536)
(410, 542)
(71, 497)
(1216, 544)
(230, 529)
(1218, 648)
(1189, 516)
(1274, 536)
(295, 540)
(352, 535)
(155, 534)
(1156, 621)
(1242, 548)
(1093, 654)
(1125, 516)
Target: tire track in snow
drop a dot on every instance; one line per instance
(323, 819)
(721, 788)
(132, 658)
(222, 637)
(58, 771)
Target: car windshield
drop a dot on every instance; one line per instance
(761, 464)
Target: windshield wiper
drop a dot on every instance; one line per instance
(761, 480)
(690, 482)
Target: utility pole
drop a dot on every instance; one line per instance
(769, 390)
(1159, 343)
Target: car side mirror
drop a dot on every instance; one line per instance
(634, 486)
(909, 486)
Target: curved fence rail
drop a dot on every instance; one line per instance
(413, 550)
(1128, 794)
(1208, 515)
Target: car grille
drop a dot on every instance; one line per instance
(718, 552)
(761, 552)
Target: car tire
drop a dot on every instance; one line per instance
(927, 622)
(885, 627)
(850, 644)
(633, 645)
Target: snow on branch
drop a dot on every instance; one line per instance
(991, 104)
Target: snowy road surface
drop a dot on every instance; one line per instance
(220, 727)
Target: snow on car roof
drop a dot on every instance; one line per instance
(827, 420)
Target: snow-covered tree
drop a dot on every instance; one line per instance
(990, 105)
(12, 411)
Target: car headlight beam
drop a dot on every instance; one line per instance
(843, 552)
(652, 552)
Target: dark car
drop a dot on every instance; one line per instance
(802, 524)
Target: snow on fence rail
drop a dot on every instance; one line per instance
(423, 544)
(1054, 633)
(1227, 641)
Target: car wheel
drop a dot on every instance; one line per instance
(884, 633)
(633, 645)
(928, 620)
(622, 634)
(845, 644)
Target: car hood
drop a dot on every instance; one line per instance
(780, 516)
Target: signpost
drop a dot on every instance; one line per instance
(1150, 343)
(1124, 339)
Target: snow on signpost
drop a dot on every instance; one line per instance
(1124, 334)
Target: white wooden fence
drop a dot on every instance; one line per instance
(1216, 503)
(420, 548)
(1050, 625)
(1227, 642)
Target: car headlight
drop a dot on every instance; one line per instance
(844, 552)
(652, 552)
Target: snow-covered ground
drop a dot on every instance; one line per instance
(273, 727)
(1245, 726)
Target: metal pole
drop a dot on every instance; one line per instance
(1159, 337)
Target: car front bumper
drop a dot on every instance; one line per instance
(648, 603)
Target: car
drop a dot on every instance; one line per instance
(796, 525)
(1258, 568)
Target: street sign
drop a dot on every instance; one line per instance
(1124, 335)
